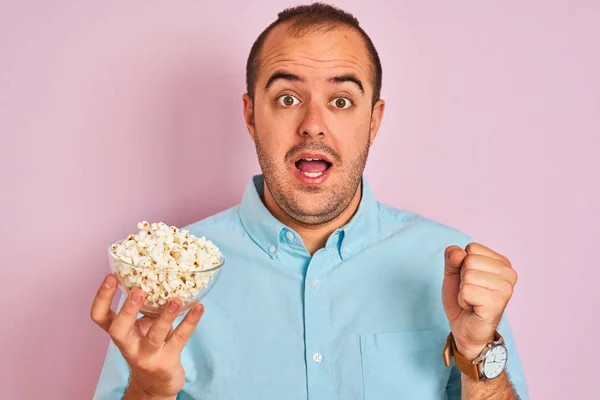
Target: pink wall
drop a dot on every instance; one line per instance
(120, 111)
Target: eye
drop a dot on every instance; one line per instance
(287, 100)
(341, 103)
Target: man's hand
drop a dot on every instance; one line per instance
(149, 345)
(478, 283)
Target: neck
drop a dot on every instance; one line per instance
(314, 237)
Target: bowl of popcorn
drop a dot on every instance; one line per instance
(165, 262)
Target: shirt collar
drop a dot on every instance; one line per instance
(266, 230)
(258, 221)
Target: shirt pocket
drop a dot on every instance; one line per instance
(404, 365)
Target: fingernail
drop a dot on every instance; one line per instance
(136, 297)
(173, 306)
(108, 282)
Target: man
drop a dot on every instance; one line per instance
(326, 293)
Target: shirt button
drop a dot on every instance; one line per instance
(272, 249)
(317, 357)
(314, 284)
(345, 250)
(290, 236)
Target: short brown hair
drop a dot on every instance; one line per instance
(306, 19)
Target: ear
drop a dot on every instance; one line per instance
(248, 106)
(376, 117)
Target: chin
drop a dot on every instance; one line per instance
(310, 208)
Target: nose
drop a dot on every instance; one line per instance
(313, 124)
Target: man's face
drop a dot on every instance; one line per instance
(312, 120)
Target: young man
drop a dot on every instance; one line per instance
(326, 293)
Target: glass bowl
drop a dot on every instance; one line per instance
(162, 284)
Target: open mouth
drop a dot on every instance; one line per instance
(313, 167)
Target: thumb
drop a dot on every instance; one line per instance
(453, 259)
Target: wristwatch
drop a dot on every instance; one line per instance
(490, 363)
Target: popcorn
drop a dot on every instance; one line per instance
(165, 262)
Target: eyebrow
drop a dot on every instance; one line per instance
(348, 78)
(295, 78)
(283, 76)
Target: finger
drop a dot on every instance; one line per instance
(477, 248)
(169, 334)
(484, 302)
(157, 334)
(462, 302)
(101, 312)
(125, 319)
(486, 280)
(471, 296)
(144, 323)
(487, 264)
(453, 257)
(184, 330)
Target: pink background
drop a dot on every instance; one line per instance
(115, 112)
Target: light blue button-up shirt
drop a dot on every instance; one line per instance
(360, 319)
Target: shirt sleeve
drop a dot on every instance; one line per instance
(514, 368)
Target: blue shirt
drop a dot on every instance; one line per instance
(360, 319)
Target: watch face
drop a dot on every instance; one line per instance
(495, 361)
